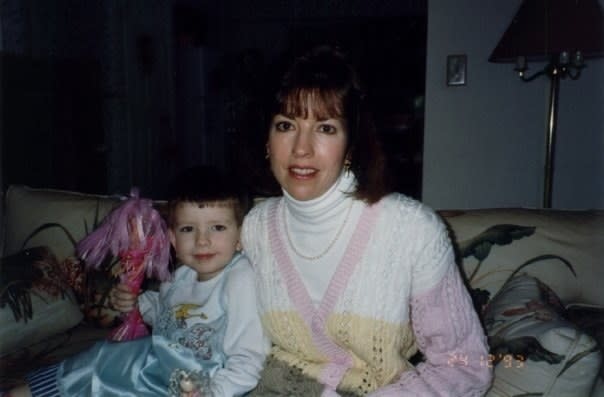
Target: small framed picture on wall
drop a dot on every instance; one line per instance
(456, 69)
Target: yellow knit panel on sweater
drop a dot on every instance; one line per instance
(379, 349)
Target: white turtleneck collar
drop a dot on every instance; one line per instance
(325, 208)
(324, 224)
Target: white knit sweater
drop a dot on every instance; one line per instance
(350, 318)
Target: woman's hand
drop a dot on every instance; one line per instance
(121, 299)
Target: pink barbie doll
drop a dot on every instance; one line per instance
(136, 233)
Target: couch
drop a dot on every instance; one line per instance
(535, 277)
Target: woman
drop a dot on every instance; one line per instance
(352, 280)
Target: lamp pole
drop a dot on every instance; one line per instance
(560, 66)
(550, 136)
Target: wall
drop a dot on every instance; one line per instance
(484, 143)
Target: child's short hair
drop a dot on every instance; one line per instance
(205, 185)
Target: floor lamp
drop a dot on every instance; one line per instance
(563, 33)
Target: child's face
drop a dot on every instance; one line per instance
(205, 239)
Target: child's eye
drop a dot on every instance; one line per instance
(218, 228)
(185, 229)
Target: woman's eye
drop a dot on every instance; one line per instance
(283, 126)
(327, 129)
(186, 229)
(218, 228)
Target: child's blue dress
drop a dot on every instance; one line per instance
(187, 341)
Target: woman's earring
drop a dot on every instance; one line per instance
(347, 164)
(268, 153)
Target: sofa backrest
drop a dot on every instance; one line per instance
(498, 241)
(67, 215)
(552, 244)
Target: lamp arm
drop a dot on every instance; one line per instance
(523, 77)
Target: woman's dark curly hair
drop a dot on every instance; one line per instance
(324, 78)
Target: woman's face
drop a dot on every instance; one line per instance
(306, 154)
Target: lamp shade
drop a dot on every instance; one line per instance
(542, 28)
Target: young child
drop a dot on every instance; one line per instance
(207, 339)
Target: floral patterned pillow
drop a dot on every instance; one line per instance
(35, 300)
(535, 349)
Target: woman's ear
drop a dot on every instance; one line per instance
(238, 246)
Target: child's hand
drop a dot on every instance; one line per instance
(121, 299)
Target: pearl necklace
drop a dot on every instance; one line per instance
(331, 244)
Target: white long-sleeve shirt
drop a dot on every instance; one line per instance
(244, 343)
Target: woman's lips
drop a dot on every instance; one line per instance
(302, 172)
